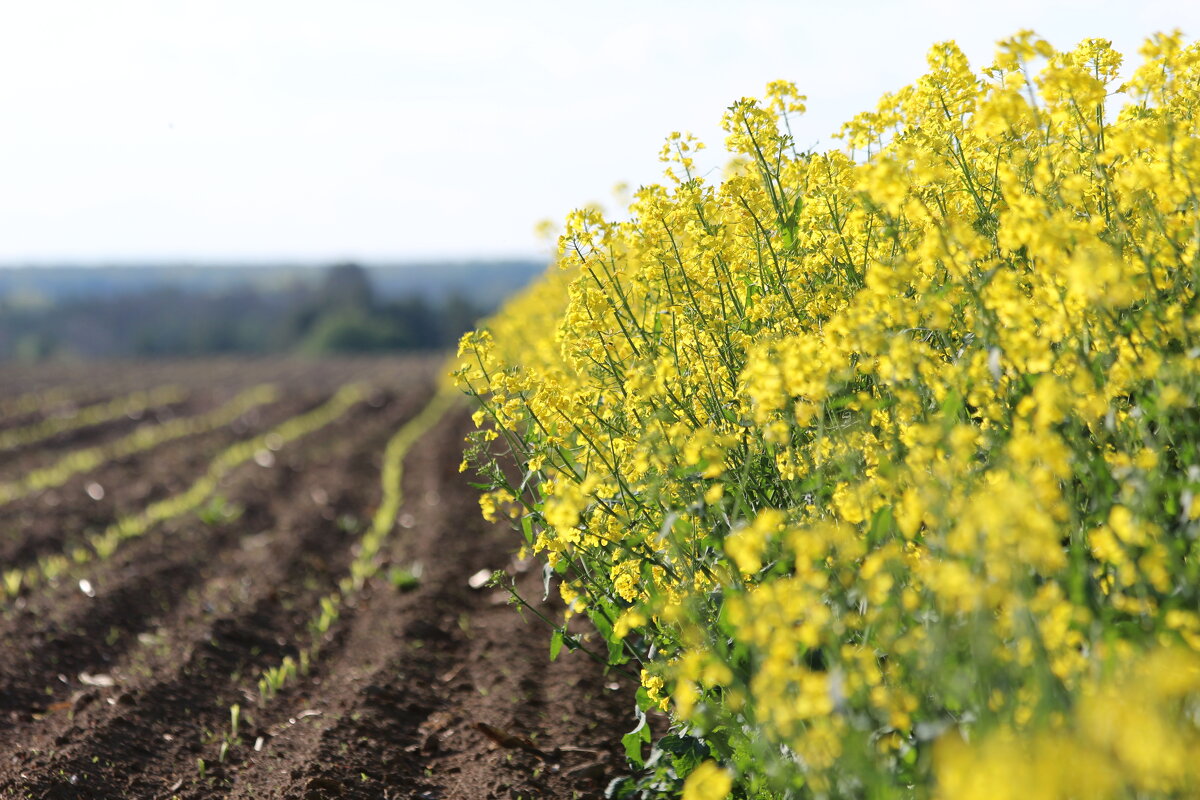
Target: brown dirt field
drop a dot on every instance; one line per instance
(123, 693)
(48, 520)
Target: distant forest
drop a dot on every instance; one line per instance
(98, 312)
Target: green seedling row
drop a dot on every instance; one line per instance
(366, 561)
(92, 415)
(144, 438)
(33, 401)
(103, 544)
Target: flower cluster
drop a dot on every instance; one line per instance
(882, 464)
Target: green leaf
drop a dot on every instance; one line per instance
(556, 643)
(600, 620)
(687, 752)
(634, 739)
(881, 524)
(952, 406)
(616, 652)
(403, 580)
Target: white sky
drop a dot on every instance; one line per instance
(292, 130)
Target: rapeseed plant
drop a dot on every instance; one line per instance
(882, 464)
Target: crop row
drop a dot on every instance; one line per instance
(102, 544)
(364, 566)
(144, 438)
(366, 559)
(31, 402)
(131, 405)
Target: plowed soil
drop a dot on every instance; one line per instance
(117, 679)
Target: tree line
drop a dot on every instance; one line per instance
(340, 314)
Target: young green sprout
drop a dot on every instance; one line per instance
(12, 581)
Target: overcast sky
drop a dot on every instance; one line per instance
(306, 131)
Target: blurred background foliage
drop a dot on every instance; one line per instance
(56, 313)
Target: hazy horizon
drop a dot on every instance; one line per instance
(266, 263)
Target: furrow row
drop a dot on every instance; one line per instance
(131, 406)
(246, 609)
(57, 520)
(143, 438)
(397, 703)
(102, 544)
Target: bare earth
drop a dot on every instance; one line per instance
(436, 690)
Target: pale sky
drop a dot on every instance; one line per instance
(272, 130)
